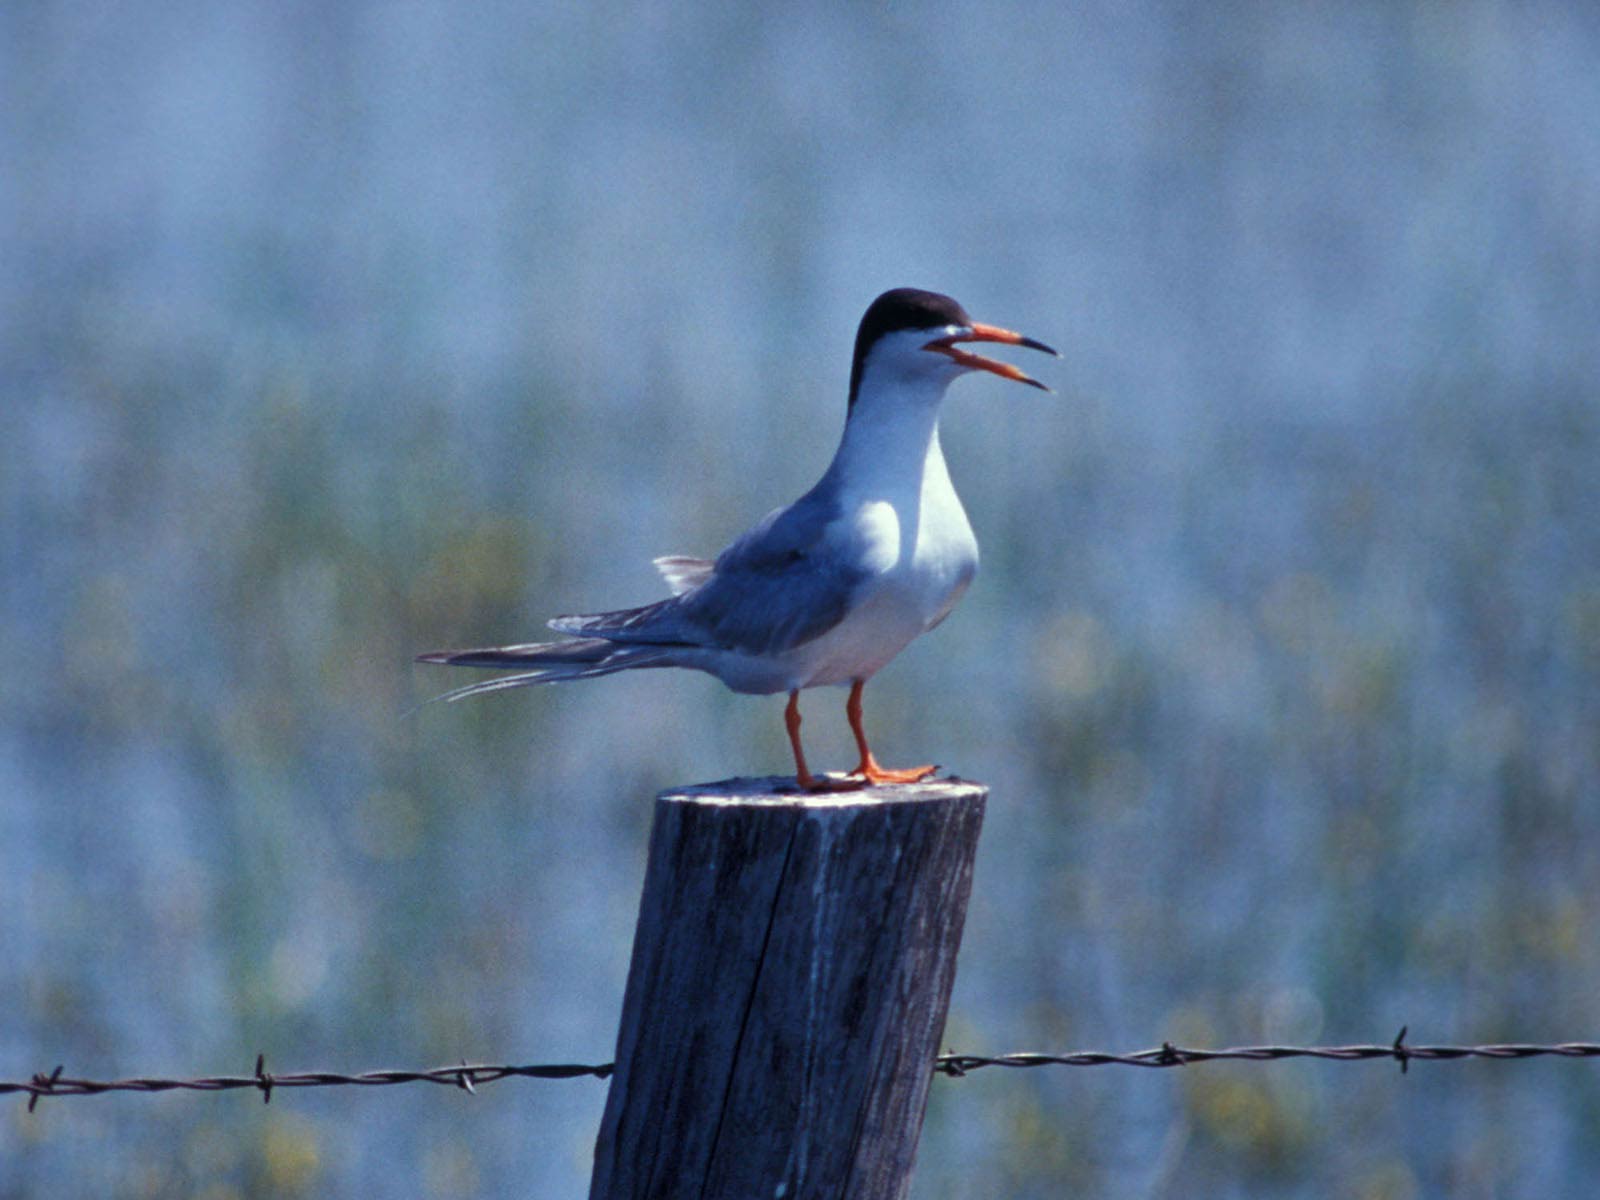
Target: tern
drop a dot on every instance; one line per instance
(825, 591)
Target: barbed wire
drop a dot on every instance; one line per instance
(1169, 1055)
(468, 1076)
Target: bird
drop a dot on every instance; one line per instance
(823, 592)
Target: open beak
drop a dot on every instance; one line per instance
(989, 333)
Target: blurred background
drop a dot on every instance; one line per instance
(335, 332)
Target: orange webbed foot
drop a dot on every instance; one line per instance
(871, 772)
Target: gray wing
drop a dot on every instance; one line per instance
(788, 580)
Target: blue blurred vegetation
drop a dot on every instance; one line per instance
(331, 333)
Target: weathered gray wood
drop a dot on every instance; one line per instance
(791, 973)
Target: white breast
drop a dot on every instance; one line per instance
(918, 548)
(899, 527)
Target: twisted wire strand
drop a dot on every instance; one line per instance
(468, 1076)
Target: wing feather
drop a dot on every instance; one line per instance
(788, 580)
(683, 573)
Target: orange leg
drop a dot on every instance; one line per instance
(803, 775)
(869, 769)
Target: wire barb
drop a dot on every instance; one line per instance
(44, 1084)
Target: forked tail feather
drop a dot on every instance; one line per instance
(550, 662)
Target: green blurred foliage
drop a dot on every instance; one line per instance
(331, 337)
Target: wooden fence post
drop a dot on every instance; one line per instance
(791, 973)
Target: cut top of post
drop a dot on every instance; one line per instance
(781, 791)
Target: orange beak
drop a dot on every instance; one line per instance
(989, 333)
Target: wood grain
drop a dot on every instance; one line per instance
(790, 977)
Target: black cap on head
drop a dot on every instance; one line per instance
(902, 308)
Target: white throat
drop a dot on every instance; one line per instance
(891, 440)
